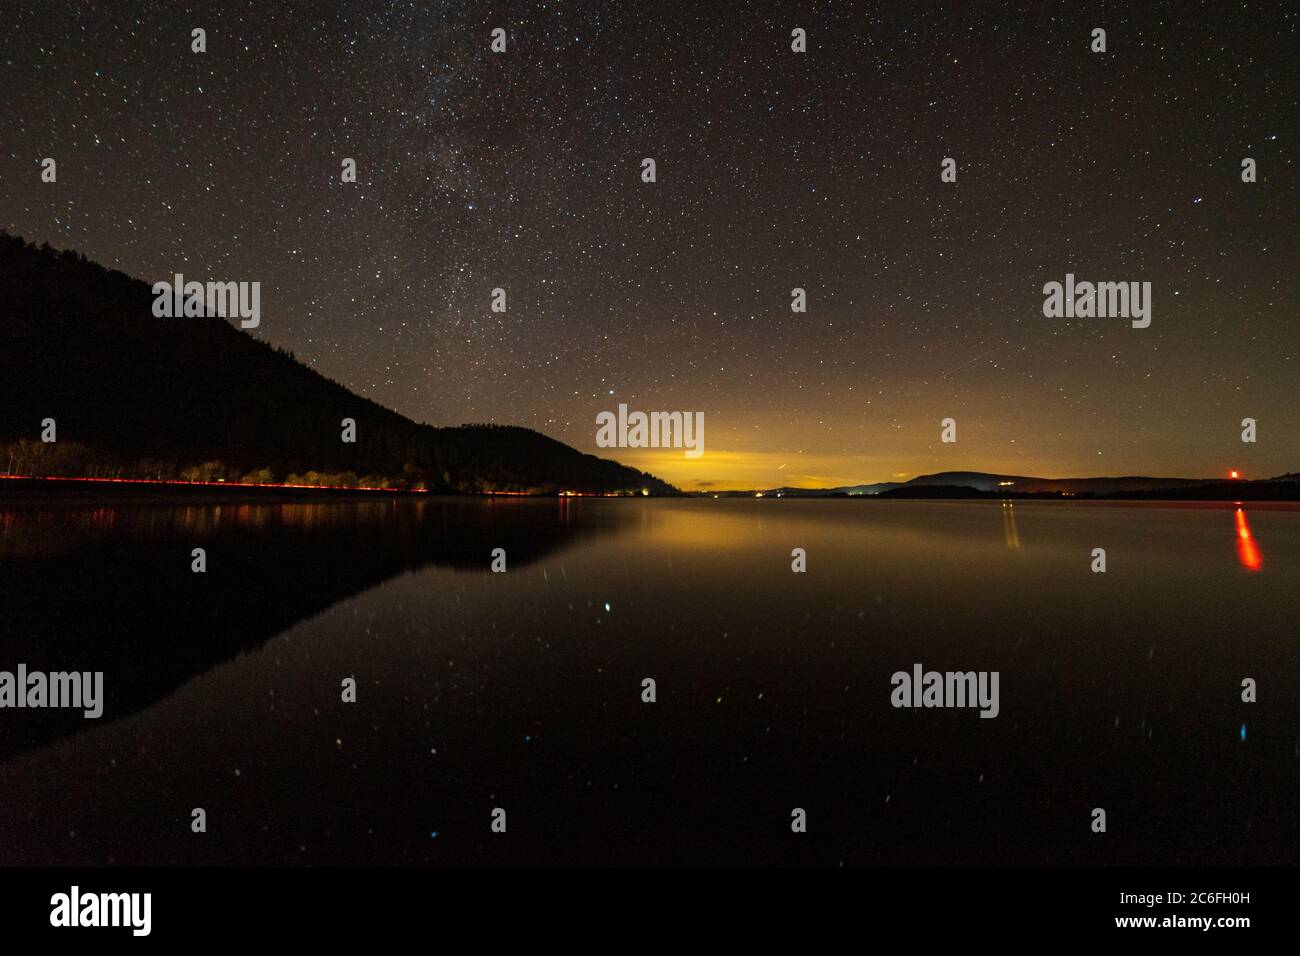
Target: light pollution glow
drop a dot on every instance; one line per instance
(728, 470)
(776, 440)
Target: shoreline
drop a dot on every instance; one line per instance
(22, 487)
(17, 487)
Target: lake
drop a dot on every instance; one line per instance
(523, 690)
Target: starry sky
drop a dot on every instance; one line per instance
(775, 170)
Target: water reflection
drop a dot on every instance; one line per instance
(1247, 551)
(1009, 532)
(110, 588)
(523, 689)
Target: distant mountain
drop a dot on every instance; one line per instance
(137, 396)
(1021, 484)
(982, 481)
(977, 484)
(876, 489)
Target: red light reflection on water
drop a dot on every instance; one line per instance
(1247, 552)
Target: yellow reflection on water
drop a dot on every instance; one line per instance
(1009, 533)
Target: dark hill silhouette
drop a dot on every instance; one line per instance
(984, 481)
(980, 484)
(138, 396)
(1023, 484)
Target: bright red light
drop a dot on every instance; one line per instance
(1233, 474)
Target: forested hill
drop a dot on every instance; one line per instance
(137, 396)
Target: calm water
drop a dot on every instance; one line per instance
(523, 690)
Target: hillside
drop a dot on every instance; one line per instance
(982, 481)
(145, 397)
(979, 484)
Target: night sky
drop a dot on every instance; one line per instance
(775, 170)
